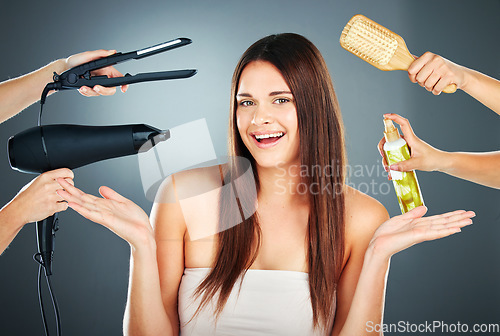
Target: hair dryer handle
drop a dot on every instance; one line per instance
(45, 234)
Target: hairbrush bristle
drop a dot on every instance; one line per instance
(370, 41)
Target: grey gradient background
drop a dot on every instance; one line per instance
(451, 280)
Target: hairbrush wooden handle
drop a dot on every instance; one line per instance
(450, 88)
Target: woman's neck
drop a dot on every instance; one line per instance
(282, 185)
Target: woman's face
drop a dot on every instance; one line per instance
(266, 116)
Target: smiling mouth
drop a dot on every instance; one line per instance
(268, 139)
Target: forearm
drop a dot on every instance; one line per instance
(19, 93)
(10, 224)
(481, 168)
(145, 314)
(367, 307)
(483, 88)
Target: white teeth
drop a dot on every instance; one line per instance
(265, 136)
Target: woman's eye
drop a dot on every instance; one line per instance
(282, 100)
(246, 103)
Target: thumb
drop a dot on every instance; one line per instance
(407, 165)
(87, 56)
(110, 194)
(96, 54)
(417, 212)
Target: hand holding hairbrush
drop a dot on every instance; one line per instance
(378, 46)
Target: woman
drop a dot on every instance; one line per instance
(308, 258)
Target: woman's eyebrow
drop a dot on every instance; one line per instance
(276, 93)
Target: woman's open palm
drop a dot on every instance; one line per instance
(401, 232)
(113, 211)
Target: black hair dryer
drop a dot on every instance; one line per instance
(43, 148)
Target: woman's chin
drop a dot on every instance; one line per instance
(273, 162)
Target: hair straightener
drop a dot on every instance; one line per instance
(80, 75)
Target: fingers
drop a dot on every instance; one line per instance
(97, 90)
(415, 213)
(90, 213)
(109, 71)
(70, 188)
(406, 165)
(404, 123)
(109, 193)
(87, 56)
(417, 65)
(49, 185)
(440, 226)
(59, 173)
(380, 148)
(433, 72)
(441, 86)
(60, 207)
(447, 214)
(431, 81)
(451, 217)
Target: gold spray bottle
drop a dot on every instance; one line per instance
(405, 183)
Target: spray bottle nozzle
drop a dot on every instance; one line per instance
(390, 131)
(389, 125)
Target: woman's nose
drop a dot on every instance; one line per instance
(262, 116)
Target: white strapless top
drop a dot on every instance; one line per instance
(270, 302)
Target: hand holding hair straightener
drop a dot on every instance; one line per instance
(18, 93)
(81, 75)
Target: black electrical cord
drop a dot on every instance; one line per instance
(45, 92)
(54, 304)
(37, 258)
(40, 300)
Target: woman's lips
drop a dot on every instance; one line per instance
(267, 143)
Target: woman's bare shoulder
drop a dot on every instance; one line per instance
(187, 202)
(363, 214)
(189, 183)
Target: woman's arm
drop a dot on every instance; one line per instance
(361, 309)
(145, 313)
(363, 216)
(435, 72)
(481, 168)
(170, 228)
(19, 93)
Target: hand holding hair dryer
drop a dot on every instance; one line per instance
(43, 148)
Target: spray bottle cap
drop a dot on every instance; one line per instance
(390, 131)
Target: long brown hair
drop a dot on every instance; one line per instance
(321, 147)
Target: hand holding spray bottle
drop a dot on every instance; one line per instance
(405, 183)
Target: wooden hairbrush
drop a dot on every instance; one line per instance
(378, 46)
